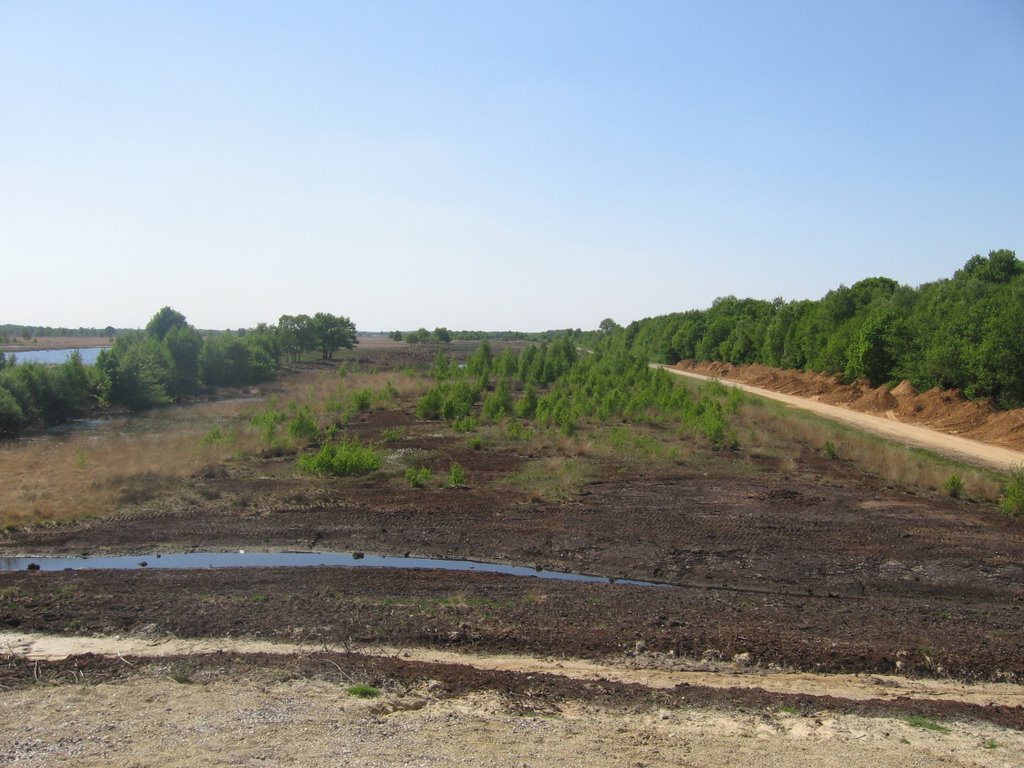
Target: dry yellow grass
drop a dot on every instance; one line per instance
(782, 432)
(94, 474)
(97, 473)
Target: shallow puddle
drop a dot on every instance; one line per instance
(243, 559)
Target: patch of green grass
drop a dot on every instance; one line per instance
(364, 691)
(392, 434)
(991, 744)
(926, 723)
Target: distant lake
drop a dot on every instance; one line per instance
(56, 356)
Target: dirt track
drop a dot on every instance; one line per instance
(222, 701)
(950, 445)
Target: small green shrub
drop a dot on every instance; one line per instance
(418, 477)
(954, 485)
(214, 437)
(302, 425)
(362, 400)
(737, 397)
(350, 458)
(526, 408)
(456, 475)
(392, 434)
(1012, 501)
(830, 449)
(517, 431)
(465, 424)
(364, 691)
(498, 403)
(267, 423)
(476, 442)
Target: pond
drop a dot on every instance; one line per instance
(56, 356)
(243, 559)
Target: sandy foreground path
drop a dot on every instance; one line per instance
(956, 447)
(158, 720)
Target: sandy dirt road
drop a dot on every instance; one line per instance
(264, 719)
(960, 448)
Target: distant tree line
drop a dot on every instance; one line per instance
(14, 332)
(963, 332)
(168, 361)
(445, 336)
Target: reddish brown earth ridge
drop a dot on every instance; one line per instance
(945, 410)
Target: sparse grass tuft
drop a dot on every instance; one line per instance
(920, 721)
(364, 691)
(954, 485)
(1012, 500)
(551, 479)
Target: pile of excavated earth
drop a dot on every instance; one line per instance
(945, 410)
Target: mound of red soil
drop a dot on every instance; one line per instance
(945, 410)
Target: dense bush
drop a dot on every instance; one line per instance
(34, 394)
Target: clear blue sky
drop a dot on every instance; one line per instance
(494, 165)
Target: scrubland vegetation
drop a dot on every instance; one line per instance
(561, 405)
(567, 409)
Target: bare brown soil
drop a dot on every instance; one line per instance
(778, 565)
(946, 411)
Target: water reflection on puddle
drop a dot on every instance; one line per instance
(243, 559)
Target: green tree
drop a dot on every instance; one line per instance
(12, 418)
(296, 335)
(163, 321)
(224, 361)
(140, 370)
(871, 356)
(184, 344)
(331, 333)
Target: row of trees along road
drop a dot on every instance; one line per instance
(962, 332)
(168, 361)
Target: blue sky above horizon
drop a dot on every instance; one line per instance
(495, 165)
